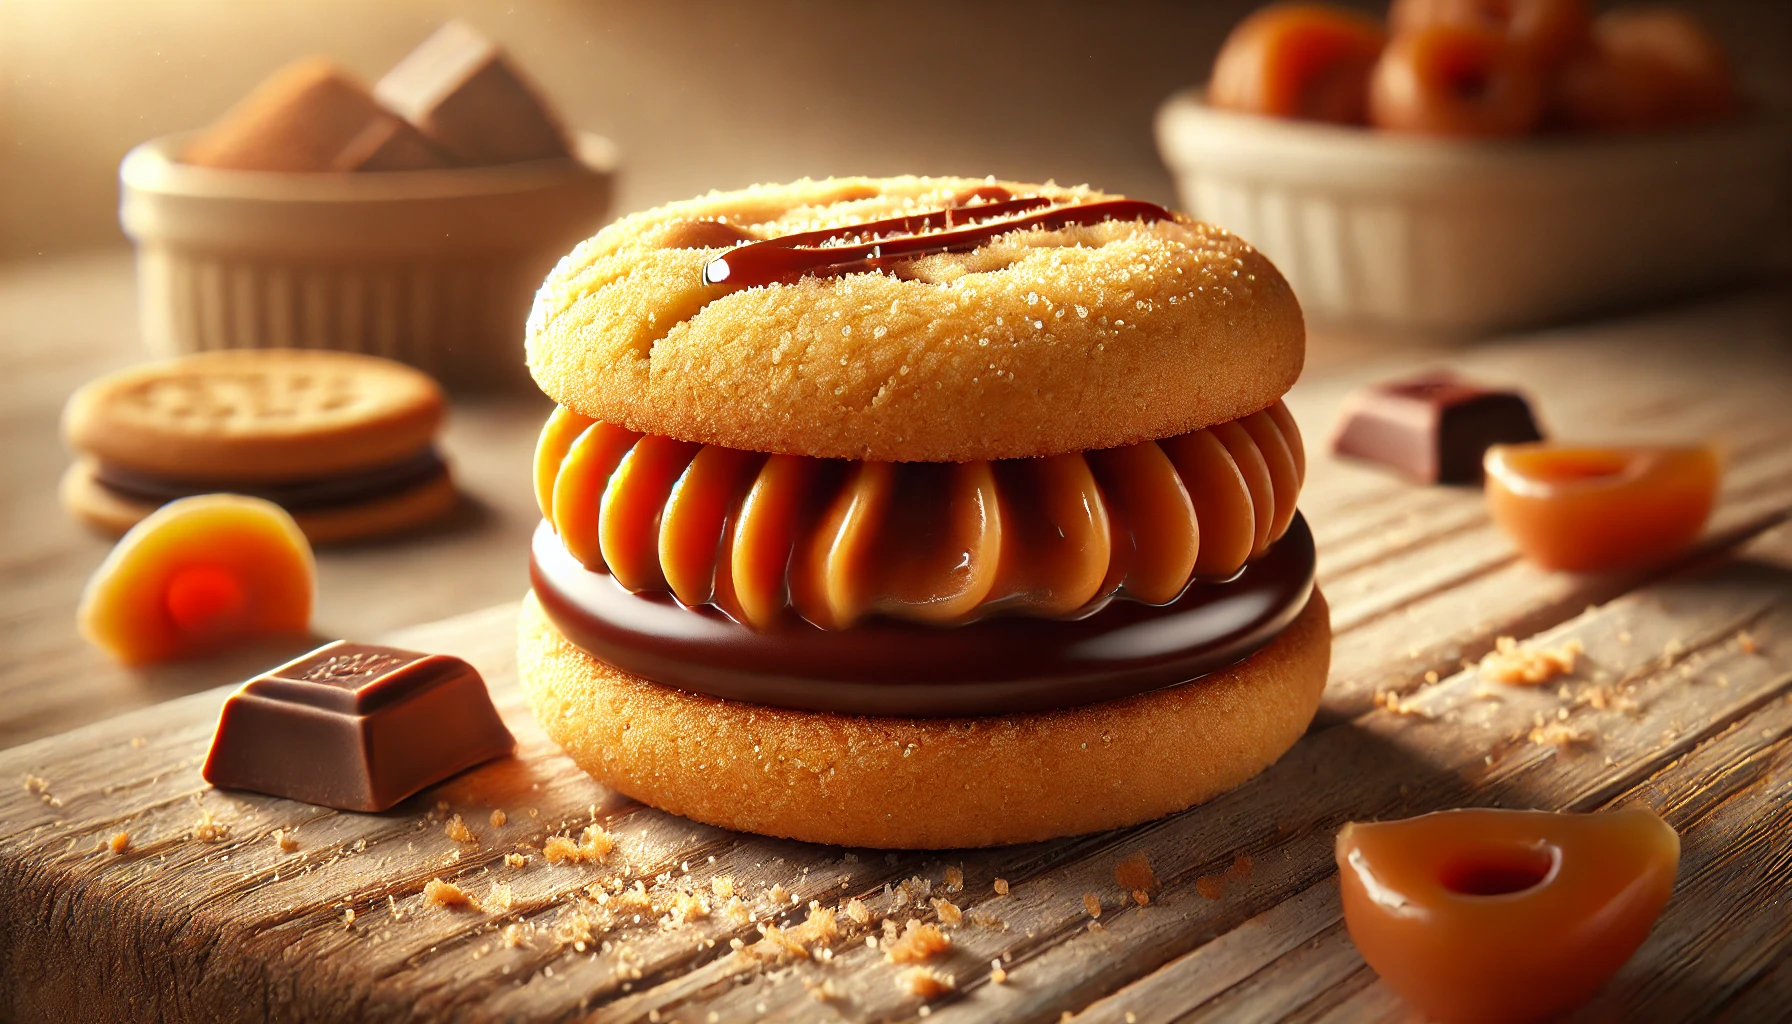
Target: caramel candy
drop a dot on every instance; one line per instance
(312, 116)
(1433, 428)
(1582, 509)
(1485, 915)
(1308, 61)
(355, 727)
(197, 575)
(460, 91)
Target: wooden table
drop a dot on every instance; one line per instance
(1683, 702)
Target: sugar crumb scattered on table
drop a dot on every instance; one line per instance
(1524, 665)
(918, 943)
(446, 894)
(209, 829)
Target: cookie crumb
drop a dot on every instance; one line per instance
(1134, 873)
(954, 879)
(446, 894)
(1748, 643)
(499, 818)
(513, 936)
(459, 832)
(777, 893)
(948, 912)
(722, 886)
(997, 976)
(1391, 702)
(40, 787)
(515, 860)
(827, 991)
(919, 942)
(1562, 737)
(119, 843)
(1092, 903)
(1001, 885)
(688, 907)
(348, 917)
(1514, 665)
(593, 847)
(210, 829)
(857, 911)
(284, 840)
(927, 983)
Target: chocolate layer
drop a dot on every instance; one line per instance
(884, 667)
(355, 727)
(293, 495)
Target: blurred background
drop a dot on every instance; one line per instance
(698, 95)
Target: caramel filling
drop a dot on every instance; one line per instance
(833, 541)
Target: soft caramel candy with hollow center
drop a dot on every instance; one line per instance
(1483, 915)
(1584, 509)
(1300, 60)
(200, 574)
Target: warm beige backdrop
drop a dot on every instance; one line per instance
(699, 95)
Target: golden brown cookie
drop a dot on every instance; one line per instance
(926, 783)
(269, 414)
(1042, 342)
(344, 442)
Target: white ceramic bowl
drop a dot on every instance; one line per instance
(433, 268)
(1470, 236)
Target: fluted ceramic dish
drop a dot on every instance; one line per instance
(1471, 237)
(432, 268)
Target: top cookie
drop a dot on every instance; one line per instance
(254, 415)
(1039, 342)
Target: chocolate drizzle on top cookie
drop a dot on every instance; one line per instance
(876, 244)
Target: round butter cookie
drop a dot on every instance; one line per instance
(256, 415)
(925, 783)
(1041, 342)
(344, 442)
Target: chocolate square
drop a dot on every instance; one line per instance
(355, 727)
(462, 93)
(1434, 428)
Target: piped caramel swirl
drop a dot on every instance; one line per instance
(758, 536)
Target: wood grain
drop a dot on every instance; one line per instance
(1669, 709)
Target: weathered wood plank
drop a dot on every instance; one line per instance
(240, 927)
(1712, 725)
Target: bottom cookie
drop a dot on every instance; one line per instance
(925, 783)
(109, 512)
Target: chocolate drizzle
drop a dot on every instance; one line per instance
(876, 244)
(884, 667)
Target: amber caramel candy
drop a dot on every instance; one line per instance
(198, 575)
(1479, 916)
(1548, 30)
(1583, 509)
(1645, 69)
(757, 535)
(1307, 61)
(1447, 80)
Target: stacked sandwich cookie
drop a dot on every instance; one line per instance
(920, 513)
(344, 442)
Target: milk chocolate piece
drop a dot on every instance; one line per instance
(1432, 429)
(312, 116)
(355, 727)
(460, 91)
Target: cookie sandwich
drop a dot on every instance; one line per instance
(343, 442)
(920, 512)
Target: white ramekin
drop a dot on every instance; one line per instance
(1471, 236)
(433, 268)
